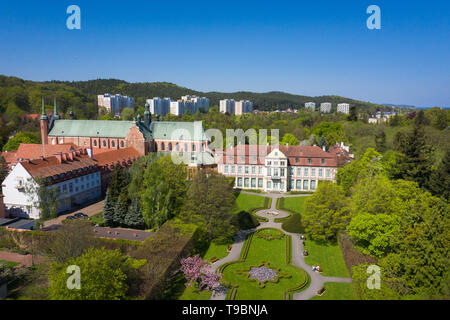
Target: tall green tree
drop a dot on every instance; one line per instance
(380, 140)
(163, 191)
(353, 116)
(209, 203)
(108, 209)
(440, 178)
(134, 218)
(289, 139)
(326, 212)
(120, 210)
(22, 137)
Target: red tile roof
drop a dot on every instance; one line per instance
(51, 167)
(36, 151)
(126, 155)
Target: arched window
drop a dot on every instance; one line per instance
(170, 146)
(95, 143)
(203, 147)
(177, 147)
(162, 146)
(194, 148)
(104, 143)
(122, 144)
(113, 144)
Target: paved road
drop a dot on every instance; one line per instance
(317, 280)
(90, 210)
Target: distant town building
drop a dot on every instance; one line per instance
(310, 106)
(231, 106)
(159, 106)
(115, 103)
(344, 108)
(195, 103)
(325, 107)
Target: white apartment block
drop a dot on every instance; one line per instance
(343, 107)
(177, 107)
(115, 103)
(159, 106)
(325, 107)
(231, 106)
(310, 106)
(281, 168)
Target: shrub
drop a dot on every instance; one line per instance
(293, 224)
(244, 220)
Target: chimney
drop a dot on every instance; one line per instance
(58, 156)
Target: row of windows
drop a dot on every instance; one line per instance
(177, 147)
(81, 184)
(275, 185)
(292, 170)
(113, 144)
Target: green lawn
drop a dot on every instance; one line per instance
(216, 250)
(273, 251)
(190, 293)
(295, 204)
(97, 219)
(328, 256)
(248, 202)
(337, 291)
(8, 264)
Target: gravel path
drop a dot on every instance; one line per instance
(317, 281)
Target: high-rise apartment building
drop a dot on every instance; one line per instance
(343, 107)
(310, 106)
(236, 107)
(115, 103)
(325, 107)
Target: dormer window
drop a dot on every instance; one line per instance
(323, 161)
(309, 161)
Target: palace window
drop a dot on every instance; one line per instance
(253, 170)
(275, 172)
(313, 184)
(305, 172)
(313, 172)
(305, 184)
(282, 185)
(269, 171)
(328, 173)
(233, 169)
(246, 170)
(281, 163)
(260, 183)
(260, 170)
(320, 172)
(226, 169)
(291, 184)
(269, 185)
(253, 183)
(291, 171)
(298, 184)
(246, 182)
(239, 182)
(240, 169)
(282, 172)
(299, 172)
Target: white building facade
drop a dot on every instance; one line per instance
(325, 107)
(231, 106)
(282, 169)
(343, 108)
(310, 106)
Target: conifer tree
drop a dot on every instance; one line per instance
(134, 218)
(380, 140)
(108, 209)
(120, 210)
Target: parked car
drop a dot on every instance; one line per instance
(71, 218)
(81, 215)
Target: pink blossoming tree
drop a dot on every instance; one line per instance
(198, 272)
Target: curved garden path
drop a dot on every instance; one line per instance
(316, 279)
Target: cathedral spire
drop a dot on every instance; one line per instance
(43, 116)
(55, 112)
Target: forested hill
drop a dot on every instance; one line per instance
(20, 96)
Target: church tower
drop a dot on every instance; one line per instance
(44, 125)
(55, 112)
(147, 116)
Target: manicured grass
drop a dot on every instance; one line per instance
(97, 219)
(337, 291)
(218, 251)
(295, 204)
(8, 264)
(190, 293)
(328, 256)
(248, 202)
(274, 252)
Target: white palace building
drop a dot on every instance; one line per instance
(281, 168)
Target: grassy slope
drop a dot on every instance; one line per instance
(261, 250)
(328, 257)
(337, 291)
(247, 202)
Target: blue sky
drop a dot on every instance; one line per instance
(303, 47)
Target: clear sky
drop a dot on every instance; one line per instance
(303, 47)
